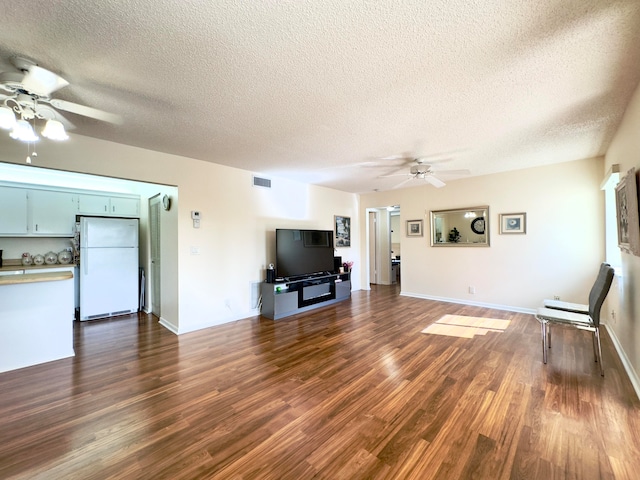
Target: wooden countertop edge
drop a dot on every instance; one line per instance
(35, 277)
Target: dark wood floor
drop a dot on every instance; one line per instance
(352, 391)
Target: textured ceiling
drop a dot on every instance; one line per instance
(325, 92)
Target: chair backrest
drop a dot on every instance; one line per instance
(595, 288)
(599, 292)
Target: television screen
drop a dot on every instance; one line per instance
(303, 252)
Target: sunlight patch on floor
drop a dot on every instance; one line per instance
(466, 327)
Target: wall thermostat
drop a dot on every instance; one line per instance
(195, 215)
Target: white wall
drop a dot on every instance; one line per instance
(559, 255)
(624, 298)
(235, 241)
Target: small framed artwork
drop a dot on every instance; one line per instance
(342, 231)
(513, 223)
(414, 228)
(627, 213)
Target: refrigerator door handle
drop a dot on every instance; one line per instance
(84, 234)
(85, 262)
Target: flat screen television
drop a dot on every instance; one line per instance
(303, 252)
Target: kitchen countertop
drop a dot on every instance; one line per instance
(35, 277)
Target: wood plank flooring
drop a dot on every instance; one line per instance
(350, 391)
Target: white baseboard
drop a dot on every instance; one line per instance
(633, 376)
(213, 323)
(495, 306)
(168, 325)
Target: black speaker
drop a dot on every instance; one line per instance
(337, 263)
(271, 274)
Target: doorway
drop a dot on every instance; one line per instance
(383, 245)
(155, 219)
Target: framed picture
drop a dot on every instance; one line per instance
(414, 228)
(342, 231)
(513, 223)
(627, 214)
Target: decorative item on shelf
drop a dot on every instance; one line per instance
(38, 259)
(65, 257)
(26, 258)
(51, 258)
(347, 266)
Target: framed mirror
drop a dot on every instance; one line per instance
(462, 227)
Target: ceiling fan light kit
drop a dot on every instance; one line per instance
(420, 170)
(54, 130)
(24, 132)
(7, 118)
(29, 93)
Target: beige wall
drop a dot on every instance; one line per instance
(236, 239)
(559, 255)
(625, 296)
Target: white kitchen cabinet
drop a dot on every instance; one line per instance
(124, 207)
(13, 213)
(108, 206)
(52, 213)
(93, 204)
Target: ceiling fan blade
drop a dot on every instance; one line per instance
(42, 82)
(434, 181)
(403, 182)
(11, 81)
(86, 111)
(396, 175)
(453, 172)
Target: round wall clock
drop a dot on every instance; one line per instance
(477, 225)
(166, 202)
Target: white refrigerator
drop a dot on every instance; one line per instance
(108, 267)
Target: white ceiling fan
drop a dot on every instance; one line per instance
(421, 170)
(28, 99)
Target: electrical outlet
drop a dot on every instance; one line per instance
(613, 316)
(556, 297)
(472, 289)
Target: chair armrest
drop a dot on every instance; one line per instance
(567, 306)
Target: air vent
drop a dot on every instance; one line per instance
(261, 182)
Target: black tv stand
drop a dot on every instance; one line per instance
(306, 277)
(303, 293)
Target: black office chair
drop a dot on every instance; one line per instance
(578, 317)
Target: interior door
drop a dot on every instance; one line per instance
(155, 248)
(373, 248)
